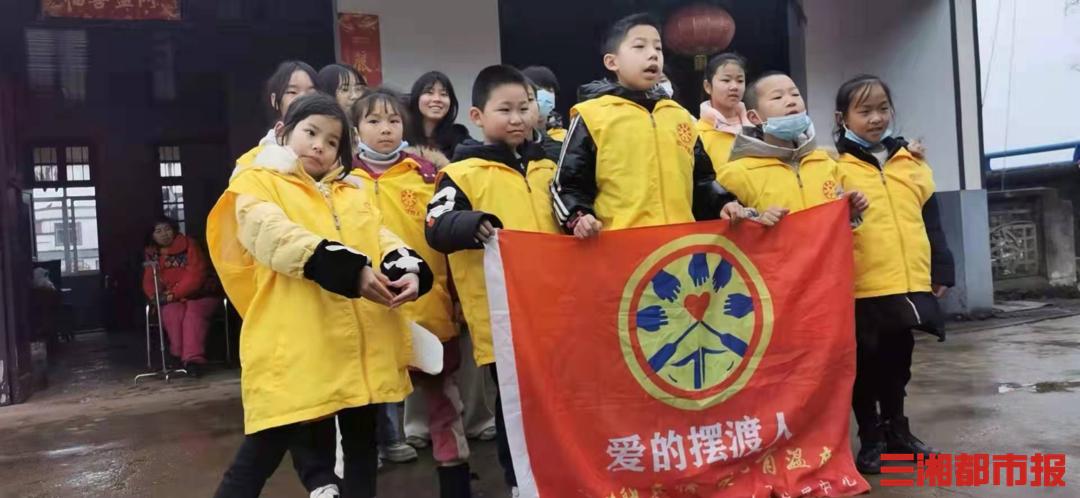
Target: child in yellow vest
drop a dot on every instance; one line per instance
(775, 165)
(723, 116)
(403, 184)
(632, 157)
(312, 454)
(295, 265)
(501, 183)
(902, 264)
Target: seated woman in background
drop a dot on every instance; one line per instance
(183, 284)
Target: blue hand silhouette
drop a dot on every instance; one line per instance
(722, 275)
(652, 318)
(699, 269)
(738, 305)
(666, 286)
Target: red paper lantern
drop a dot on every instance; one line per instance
(699, 30)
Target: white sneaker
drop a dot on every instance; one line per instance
(397, 453)
(328, 491)
(417, 442)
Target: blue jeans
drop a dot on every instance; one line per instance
(388, 424)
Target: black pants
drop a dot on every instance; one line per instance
(314, 453)
(884, 345)
(502, 443)
(261, 453)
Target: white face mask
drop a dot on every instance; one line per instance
(368, 152)
(666, 87)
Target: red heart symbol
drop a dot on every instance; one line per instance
(697, 305)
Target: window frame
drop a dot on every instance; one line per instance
(67, 204)
(171, 181)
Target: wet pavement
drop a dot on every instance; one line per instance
(1013, 389)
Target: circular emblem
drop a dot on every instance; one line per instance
(694, 321)
(409, 202)
(830, 190)
(685, 134)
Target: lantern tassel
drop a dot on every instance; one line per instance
(699, 62)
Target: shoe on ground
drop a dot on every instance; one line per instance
(488, 434)
(397, 453)
(328, 491)
(869, 459)
(899, 439)
(418, 442)
(193, 370)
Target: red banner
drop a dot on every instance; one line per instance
(135, 10)
(360, 48)
(697, 360)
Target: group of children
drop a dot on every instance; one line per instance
(334, 233)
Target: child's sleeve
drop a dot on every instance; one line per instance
(574, 187)
(942, 267)
(732, 178)
(452, 223)
(267, 233)
(399, 259)
(709, 196)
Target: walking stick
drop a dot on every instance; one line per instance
(165, 371)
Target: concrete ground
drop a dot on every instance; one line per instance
(994, 390)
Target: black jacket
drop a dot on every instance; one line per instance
(447, 143)
(576, 173)
(451, 221)
(551, 147)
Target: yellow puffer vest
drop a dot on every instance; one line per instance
(497, 189)
(892, 251)
(644, 161)
(402, 195)
(305, 352)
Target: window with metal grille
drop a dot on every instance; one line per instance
(65, 208)
(164, 68)
(56, 62)
(172, 188)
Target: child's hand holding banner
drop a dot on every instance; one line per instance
(709, 360)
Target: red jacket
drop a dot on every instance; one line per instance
(182, 269)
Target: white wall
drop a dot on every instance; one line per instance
(908, 43)
(458, 37)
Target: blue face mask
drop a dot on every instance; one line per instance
(787, 127)
(375, 155)
(546, 101)
(866, 144)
